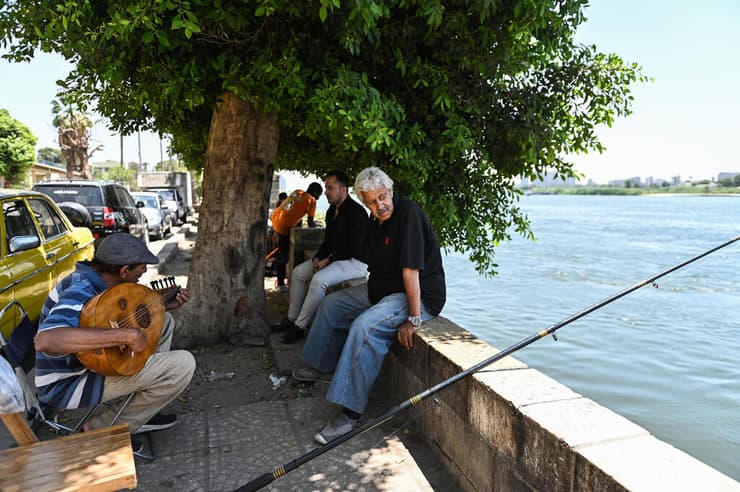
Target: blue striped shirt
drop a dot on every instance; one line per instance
(62, 381)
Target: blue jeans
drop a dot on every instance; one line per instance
(350, 337)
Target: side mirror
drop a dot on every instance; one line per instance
(140, 204)
(23, 243)
(77, 214)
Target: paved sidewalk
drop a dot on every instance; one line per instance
(234, 429)
(233, 426)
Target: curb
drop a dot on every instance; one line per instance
(171, 250)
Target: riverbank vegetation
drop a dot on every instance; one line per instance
(691, 189)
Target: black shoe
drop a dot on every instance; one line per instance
(284, 325)
(292, 335)
(160, 421)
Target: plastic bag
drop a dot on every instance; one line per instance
(11, 393)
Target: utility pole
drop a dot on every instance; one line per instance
(121, 149)
(138, 137)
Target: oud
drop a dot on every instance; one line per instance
(126, 305)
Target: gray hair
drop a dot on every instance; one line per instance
(372, 178)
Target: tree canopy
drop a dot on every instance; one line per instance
(453, 99)
(17, 145)
(50, 154)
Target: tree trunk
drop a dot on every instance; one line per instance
(226, 276)
(66, 145)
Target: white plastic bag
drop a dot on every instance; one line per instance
(11, 393)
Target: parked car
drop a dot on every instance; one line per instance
(157, 213)
(174, 202)
(110, 205)
(39, 248)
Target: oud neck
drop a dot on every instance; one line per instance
(166, 288)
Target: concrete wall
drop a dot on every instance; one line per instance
(513, 428)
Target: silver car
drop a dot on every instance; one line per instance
(174, 202)
(157, 214)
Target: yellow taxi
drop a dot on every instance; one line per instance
(39, 247)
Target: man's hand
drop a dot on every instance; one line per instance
(137, 341)
(319, 264)
(181, 298)
(406, 334)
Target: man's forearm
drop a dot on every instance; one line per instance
(67, 340)
(413, 290)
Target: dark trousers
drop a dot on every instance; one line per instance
(282, 258)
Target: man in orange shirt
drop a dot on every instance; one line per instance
(288, 215)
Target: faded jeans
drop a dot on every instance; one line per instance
(164, 376)
(308, 289)
(350, 337)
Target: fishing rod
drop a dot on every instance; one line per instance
(269, 477)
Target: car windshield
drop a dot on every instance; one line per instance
(149, 201)
(167, 194)
(84, 195)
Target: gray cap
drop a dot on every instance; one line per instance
(124, 249)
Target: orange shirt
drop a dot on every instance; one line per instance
(292, 210)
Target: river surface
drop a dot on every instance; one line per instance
(666, 357)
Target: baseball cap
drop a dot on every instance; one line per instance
(124, 249)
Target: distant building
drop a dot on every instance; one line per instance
(727, 175)
(106, 166)
(651, 182)
(550, 179)
(43, 171)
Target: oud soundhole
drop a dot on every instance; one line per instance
(143, 317)
(122, 304)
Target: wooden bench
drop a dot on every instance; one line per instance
(99, 460)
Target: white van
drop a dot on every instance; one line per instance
(173, 199)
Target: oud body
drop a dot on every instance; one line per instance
(126, 305)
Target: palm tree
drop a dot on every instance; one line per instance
(73, 128)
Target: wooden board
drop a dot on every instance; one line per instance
(99, 460)
(18, 428)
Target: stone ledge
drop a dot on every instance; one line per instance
(511, 427)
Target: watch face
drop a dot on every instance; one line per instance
(415, 320)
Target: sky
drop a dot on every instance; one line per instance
(685, 123)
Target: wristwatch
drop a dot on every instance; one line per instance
(415, 320)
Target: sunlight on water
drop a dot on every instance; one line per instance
(665, 356)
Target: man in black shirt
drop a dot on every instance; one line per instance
(355, 327)
(340, 257)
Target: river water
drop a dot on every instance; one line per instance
(667, 358)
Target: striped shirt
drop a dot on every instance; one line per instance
(62, 381)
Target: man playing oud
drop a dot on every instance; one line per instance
(63, 382)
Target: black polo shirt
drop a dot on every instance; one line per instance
(405, 240)
(346, 234)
